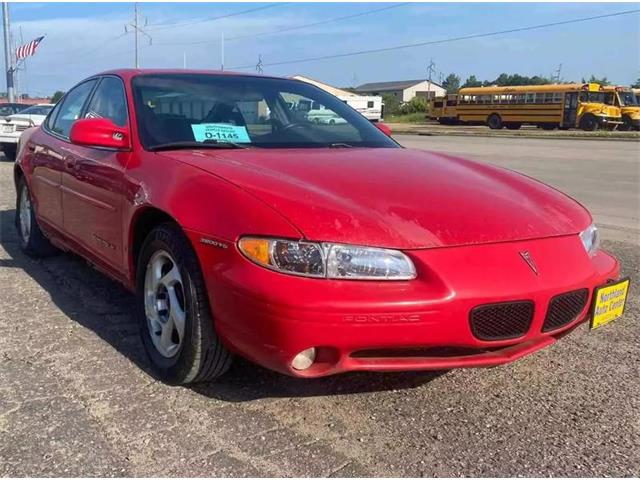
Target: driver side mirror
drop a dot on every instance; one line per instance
(99, 132)
(384, 128)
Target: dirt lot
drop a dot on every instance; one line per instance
(75, 397)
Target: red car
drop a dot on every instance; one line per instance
(246, 228)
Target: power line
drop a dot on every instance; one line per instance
(297, 27)
(211, 19)
(435, 42)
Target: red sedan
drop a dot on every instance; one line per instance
(245, 227)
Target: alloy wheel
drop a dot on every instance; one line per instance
(25, 215)
(164, 303)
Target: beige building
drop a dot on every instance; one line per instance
(403, 90)
(338, 92)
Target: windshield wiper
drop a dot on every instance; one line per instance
(340, 145)
(186, 145)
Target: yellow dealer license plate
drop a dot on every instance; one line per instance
(609, 301)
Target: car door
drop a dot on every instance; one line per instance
(47, 152)
(92, 182)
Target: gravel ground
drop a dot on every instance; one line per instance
(76, 398)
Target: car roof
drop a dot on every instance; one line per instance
(128, 73)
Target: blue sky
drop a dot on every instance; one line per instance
(84, 38)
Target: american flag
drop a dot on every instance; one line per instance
(28, 49)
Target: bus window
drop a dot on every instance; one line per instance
(548, 97)
(557, 97)
(531, 98)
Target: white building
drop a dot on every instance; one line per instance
(403, 90)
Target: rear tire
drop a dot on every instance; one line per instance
(494, 121)
(173, 310)
(32, 240)
(589, 123)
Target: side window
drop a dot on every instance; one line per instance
(70, 108)
(109, 101)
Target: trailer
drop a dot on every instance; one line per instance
(371, 107)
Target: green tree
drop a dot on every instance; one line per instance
(594, 79)
(637, 84)
(391, 104)
(58, 94)
(451, 83)
(416, 104)
(506, 80)
(471, 81)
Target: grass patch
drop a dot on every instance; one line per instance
(417, 117)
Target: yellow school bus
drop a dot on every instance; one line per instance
(627, 100)
(585, 106)
(444, 109)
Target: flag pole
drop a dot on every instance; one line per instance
(7, 53)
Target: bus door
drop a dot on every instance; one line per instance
(570, 109)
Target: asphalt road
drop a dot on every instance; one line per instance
(75, 397)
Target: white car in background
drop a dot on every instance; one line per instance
(325, 116)
(13, 126)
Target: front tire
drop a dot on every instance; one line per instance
(32, 240)
(173, 310)
(627, 125)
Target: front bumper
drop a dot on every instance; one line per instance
(11, 138)
(604, 120)
(270, 317)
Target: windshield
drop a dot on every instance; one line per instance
(252, 111)
(627, 99)
(37, 110)
(597, 97)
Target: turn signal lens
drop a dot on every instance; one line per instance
(256, 249)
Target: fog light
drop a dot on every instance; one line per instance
(304, 359)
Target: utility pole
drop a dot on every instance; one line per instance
(259, 65)
(8, 59)
(430, 70)
(136, 28)
(556, 77)
(222, 51)
(135, 32)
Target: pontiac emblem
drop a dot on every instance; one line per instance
(526, 256)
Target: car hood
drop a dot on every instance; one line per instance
(393, 197)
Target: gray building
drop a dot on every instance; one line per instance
(403, 90)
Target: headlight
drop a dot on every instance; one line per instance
(590, 239)
(328, 260)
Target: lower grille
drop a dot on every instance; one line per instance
(564, 309)
(501, 321)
